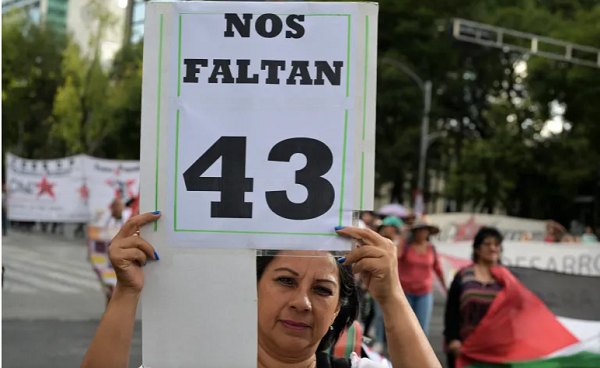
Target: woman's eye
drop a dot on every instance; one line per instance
(288, 281)
(323, 291)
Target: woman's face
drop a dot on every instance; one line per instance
(421, 234)
(490, 250)
(389, 232)
(298, 300)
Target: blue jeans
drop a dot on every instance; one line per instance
(422, 305)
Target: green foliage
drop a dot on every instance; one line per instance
(31, 58)
(82, 105)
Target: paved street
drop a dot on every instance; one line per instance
(52, 302)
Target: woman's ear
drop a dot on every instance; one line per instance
(335, 314)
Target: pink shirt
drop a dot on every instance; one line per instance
(416, 270)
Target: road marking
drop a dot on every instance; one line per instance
(84, 271)
(24, 277)
(63, 278)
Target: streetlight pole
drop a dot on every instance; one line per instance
(426, 138)
(424, 135)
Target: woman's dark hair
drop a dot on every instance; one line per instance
(349, 301)
(484, 233)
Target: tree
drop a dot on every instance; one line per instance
(82, 103)
(493, 154)
(125, 104)
(31, 58)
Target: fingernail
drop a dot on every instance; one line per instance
(342, 260)
(339, 228)
(156, 213)
(156, 256)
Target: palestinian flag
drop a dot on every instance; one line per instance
(540, 319)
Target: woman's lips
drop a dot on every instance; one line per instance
(295, 325)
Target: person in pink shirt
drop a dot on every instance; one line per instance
(417, 264)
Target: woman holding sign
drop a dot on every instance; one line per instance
(304, 303)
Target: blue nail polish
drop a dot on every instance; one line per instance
(156, 213)
(339, 227)
(342, 260)
(156, 256)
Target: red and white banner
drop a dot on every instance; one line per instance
(72, 189)
(46, 190)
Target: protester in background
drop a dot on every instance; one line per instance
(79, 231)
(417, 264)
(554, 232)
(390, 228)
(589, 236)
(116, 216)
(526, 236)
(472, 292)
(370, 220)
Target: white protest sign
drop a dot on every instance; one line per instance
(268, 128)
(46, 190)
(257, 132)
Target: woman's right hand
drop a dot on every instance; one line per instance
(128, 252)
(454, 347)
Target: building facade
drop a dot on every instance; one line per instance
(51, 12)
(82, 27)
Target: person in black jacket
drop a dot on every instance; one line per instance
(472, 292)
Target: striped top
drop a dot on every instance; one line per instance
(468, 302)
(349, 342)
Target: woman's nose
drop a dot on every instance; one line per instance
(301, 302)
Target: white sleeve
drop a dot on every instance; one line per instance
(366, 363)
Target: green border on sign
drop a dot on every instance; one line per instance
(343, 167)
(160, 44)
(344, 145)
(362, 159)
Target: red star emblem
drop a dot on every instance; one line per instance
(467, 230)
(45, 187)
(83, 191)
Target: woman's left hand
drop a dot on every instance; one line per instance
(377, 262)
